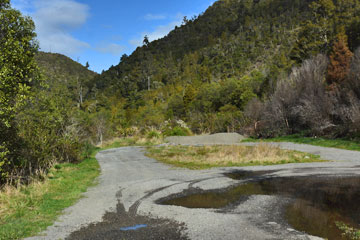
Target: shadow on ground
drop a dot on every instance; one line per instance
(113, 223)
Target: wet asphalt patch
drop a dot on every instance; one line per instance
(122, 225)
(316, 202)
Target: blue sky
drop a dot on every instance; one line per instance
(101, 31)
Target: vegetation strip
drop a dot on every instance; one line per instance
(227, 156)
(28, 210)
(322, 142)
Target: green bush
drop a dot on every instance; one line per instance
(348, 232)
(177, 131)
(153, 134)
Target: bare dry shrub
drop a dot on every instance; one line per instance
(300, 101)
(253, 112)
(353, 81)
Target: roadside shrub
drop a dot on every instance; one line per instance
(48, 135)
(151, 134)
(177, 131)
(128, 132)
(175, 128)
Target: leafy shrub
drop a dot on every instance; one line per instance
(348, 232)
(175, 128)
(177, 131)
(153, 134)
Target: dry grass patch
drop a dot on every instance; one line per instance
(131, 141)
(217, 156)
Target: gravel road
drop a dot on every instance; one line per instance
(131, 183)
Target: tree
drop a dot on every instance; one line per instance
(18, 73)
(340, 60)
(317, 33)
(123, 58)
(185, 20)
(146, 40)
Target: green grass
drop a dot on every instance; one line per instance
(28, 210)
(196, 158)
(334, 143)
(133, 141)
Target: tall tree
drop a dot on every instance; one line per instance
(18, 72)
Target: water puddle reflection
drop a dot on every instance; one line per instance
(318, 202)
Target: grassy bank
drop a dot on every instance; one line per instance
(132, 141)
(28, 210)
(322, 142)
(226, 156)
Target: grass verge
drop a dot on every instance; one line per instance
(27, 210)
(226, 156)
(322, 142)
(132, 141)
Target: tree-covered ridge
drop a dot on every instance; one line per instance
(65, 75)
(230, 39)
(207, 70)
(59, 68)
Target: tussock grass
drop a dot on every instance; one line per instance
(219, 156)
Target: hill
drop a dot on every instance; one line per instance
(62, 72)
(207, 70)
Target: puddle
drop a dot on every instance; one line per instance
(317, 202)
(240, 175)
(129, 225)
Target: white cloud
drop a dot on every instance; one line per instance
(159, 32)
(54, 22)
(150, 17)
(112, 48)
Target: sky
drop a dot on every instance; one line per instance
(101, 31)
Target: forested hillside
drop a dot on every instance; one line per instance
(63, 74)
(207, 70)
(261, 67)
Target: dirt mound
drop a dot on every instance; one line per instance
(216, 139)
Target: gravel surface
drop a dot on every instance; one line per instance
(131, 183)
(219, 138)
